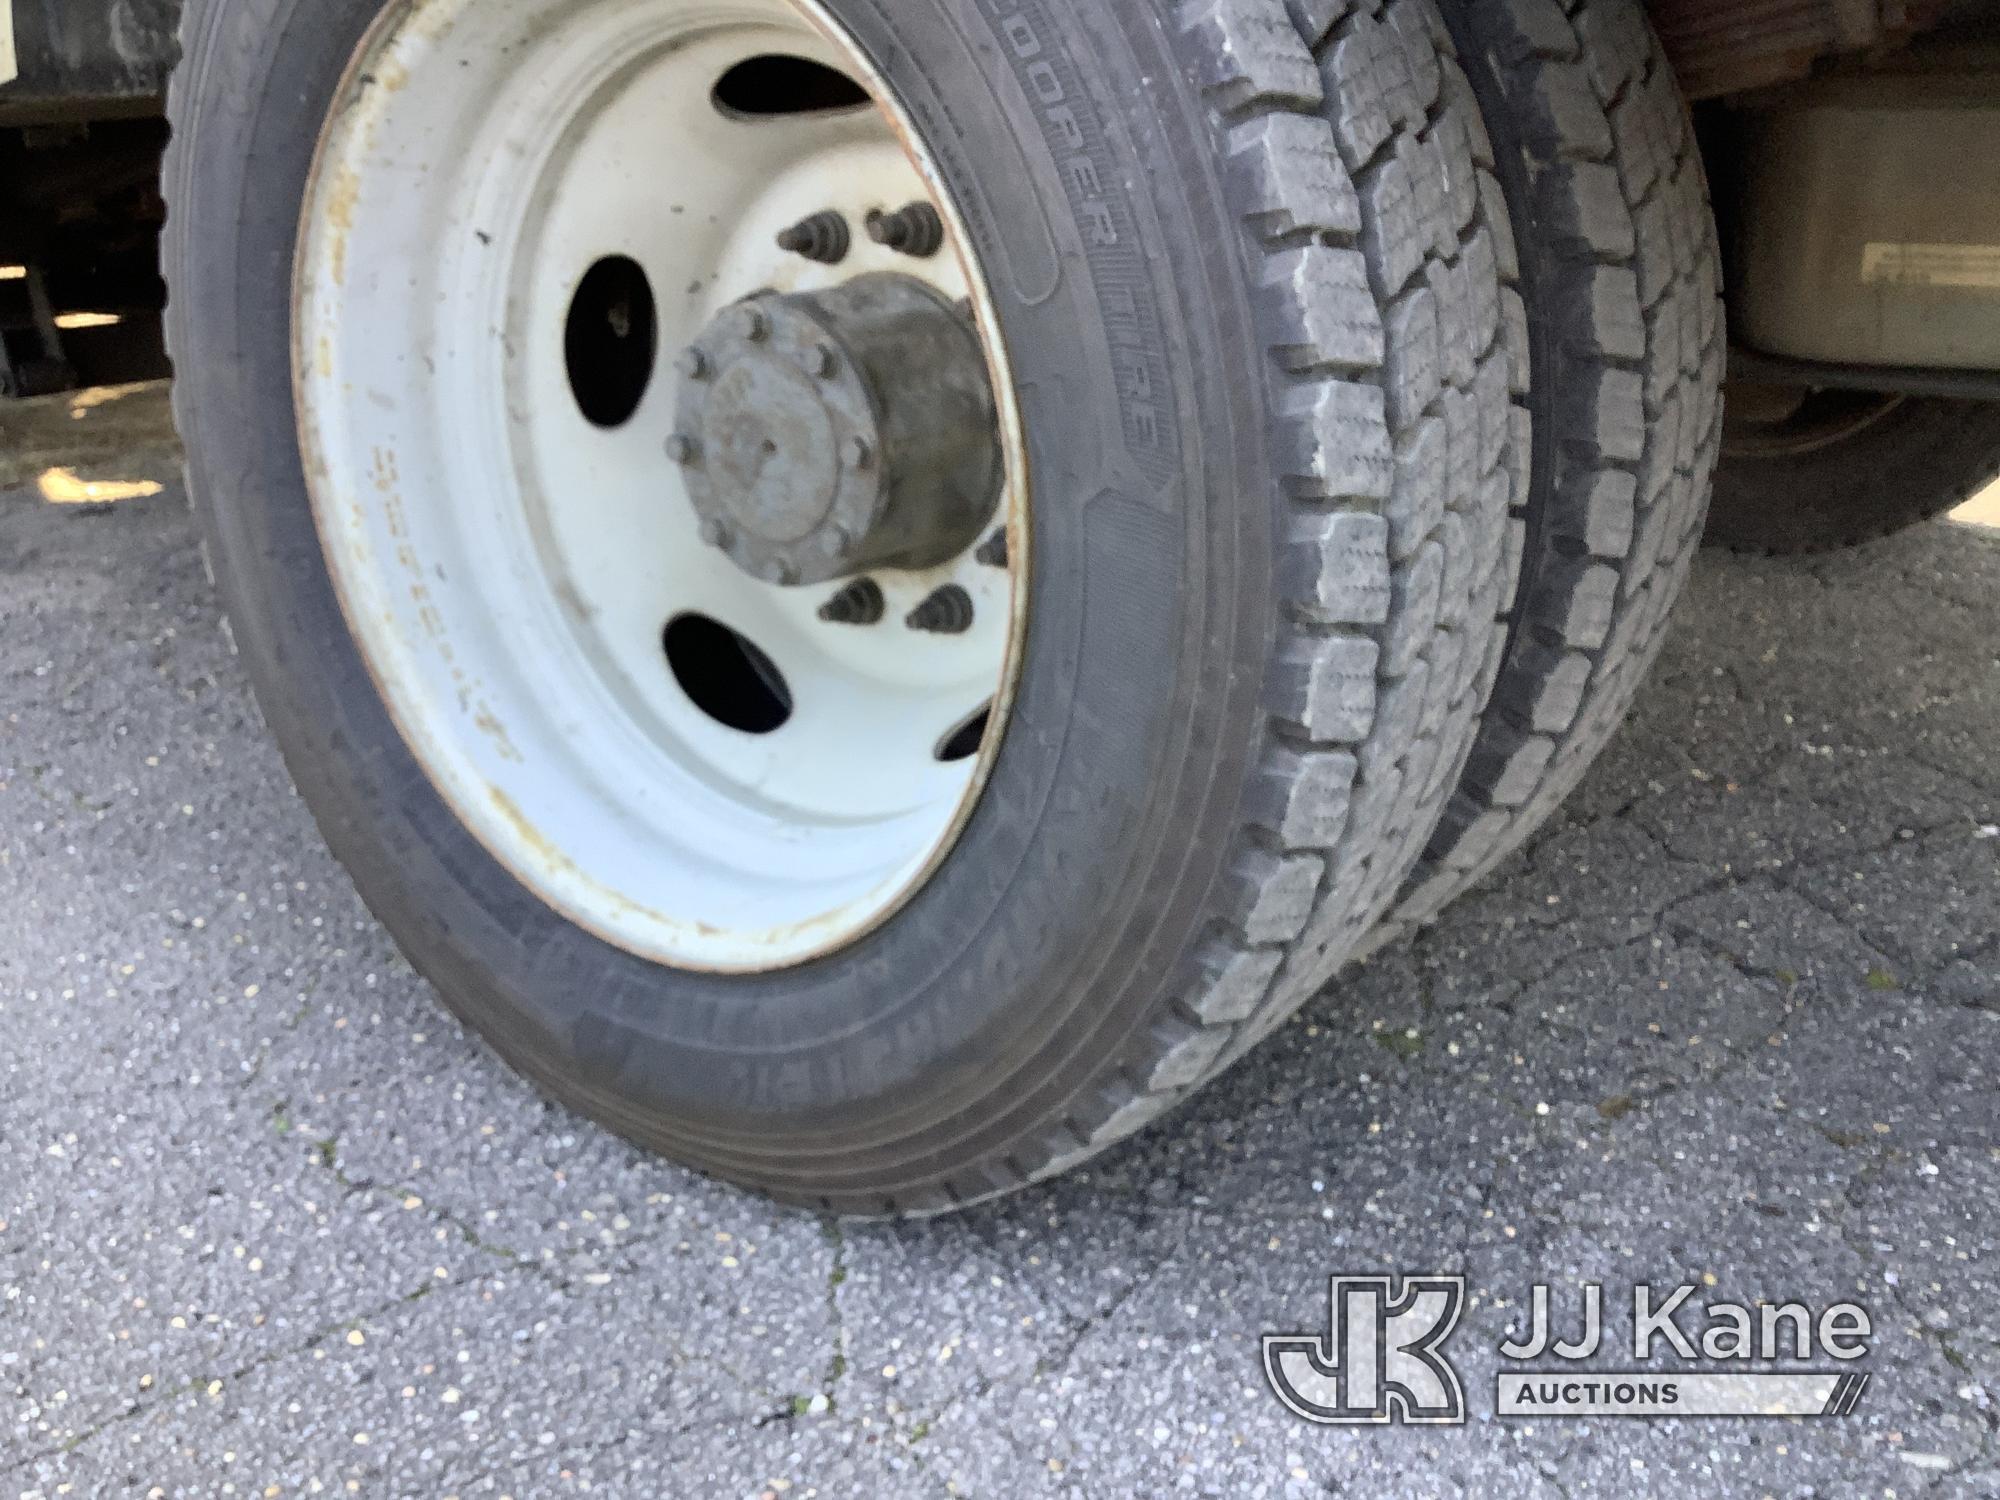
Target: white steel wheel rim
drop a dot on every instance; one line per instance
(507, 567)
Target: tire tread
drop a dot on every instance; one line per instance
(1621, 199)
(1396, 360)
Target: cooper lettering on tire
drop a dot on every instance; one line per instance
(872, 592)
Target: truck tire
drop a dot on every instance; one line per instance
(1245, 302)
(1621, 276)
(1843, 468)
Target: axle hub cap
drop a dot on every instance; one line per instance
(828, 433)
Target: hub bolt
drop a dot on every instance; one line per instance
(947, 612)
(860, 603)
(822, 237)
(993, 551)
(916, 229)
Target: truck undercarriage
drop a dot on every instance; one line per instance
(1821, 121)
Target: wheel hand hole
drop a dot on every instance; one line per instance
(726, 676)
(965, 741)
(775, 84)
(611, 341)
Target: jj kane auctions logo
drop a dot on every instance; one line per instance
(1381, 1358)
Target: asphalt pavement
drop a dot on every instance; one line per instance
(272, 1224)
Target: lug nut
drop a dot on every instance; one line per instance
(947, 612)
(822, 237)
(683, 449)
(752, 324)
(715, 534)
(693, 364)
(993, 551)
(916, 229)
(860, 603)
(856, 453)
(779, 572)
(821, 362)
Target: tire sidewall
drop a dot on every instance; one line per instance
(1054, 918)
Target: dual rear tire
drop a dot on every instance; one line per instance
(1814, 471)
(1358, 368)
